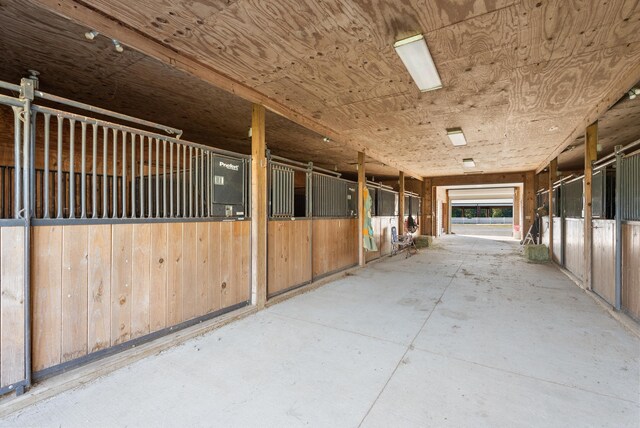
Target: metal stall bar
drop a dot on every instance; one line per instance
(129, 196)
(618, 217)
(104, 112)
(83, 169)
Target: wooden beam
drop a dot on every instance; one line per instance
(446, 214)
(517, 204)
(361, 183)
(426, 214)
(434, 210)
(258, 207)
(496, 178)
(528, 202)
(590, 155)
(134, 38)
(553, 175)
(401, 203)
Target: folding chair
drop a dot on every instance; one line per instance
(401, 243)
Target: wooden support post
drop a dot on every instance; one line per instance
(446, 214)
(553, 175)
(528, 201)
(426, 215)
(258, 207)
(401, 203)
(434, 210)
(590, 155)
(361, 184)
(518, 233)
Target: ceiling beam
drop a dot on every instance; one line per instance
(621, 87)
(474, 179)
(81, 13)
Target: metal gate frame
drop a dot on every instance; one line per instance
(23, 147)
(24, 193)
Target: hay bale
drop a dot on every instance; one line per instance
(536, 253)
(423, 241)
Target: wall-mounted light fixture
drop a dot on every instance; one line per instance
(468, 163)
(90, 35)
(117, 46)
(415, 55)
(456, 136)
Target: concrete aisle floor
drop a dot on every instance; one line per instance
(463, 335)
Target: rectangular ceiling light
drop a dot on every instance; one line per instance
(456, 136)
(415, 55)
(468, 163)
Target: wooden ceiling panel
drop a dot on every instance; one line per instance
(134, 84)
(520, 76)
(618, 126)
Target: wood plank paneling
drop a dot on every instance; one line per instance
(372, 255)
(140, 280)
(386, 223)
(203, 269)
(119, 282)
(236, 266)
(214, 285)
(189, 271)
(12, 310)
(544, 231)
(174, 274)
(289, 254)
(46, 296)
(631, 269)
(557, 239)
(244, 290)
(99, 283)
(335, 245)
(74, 292)
(226, 261)
(604, 259)
(158, 272)
(574, 246)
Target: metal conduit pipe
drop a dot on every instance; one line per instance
(128, 129)
(306, 165)
(60, 100)
(614, 154)
(9, 86)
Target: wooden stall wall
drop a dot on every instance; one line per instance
(574, 246)
(373, 255)
(557, 239)
(544, 231)
(289, 254)
(603, 277)
(631, 269)
(11, 305)
(385, 234)
(335, 245)
(96, 286)
(382, 235)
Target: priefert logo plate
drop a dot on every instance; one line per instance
(230, 166)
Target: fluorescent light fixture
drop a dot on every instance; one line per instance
(90, 35)
(456, 136)
(468, 163)
(415, 55)
(118, 47)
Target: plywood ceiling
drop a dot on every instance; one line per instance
(134, 84)
(520, 76)
(618, 126)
